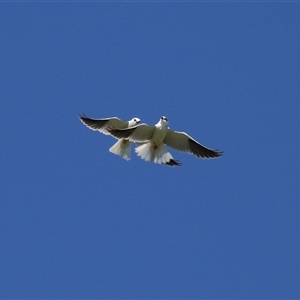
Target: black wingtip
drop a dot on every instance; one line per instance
(83, 116)
(203, 152)
(218, 153)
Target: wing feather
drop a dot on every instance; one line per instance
(139, 134)
(185, 143)
(102, 124)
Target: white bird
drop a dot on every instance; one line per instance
(154, 139)
(123, 146)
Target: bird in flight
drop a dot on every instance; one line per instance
(123, 146)
(154, 138)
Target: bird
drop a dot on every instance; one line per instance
(123, 146)
(154, 138)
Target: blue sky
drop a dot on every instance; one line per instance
(80, 222)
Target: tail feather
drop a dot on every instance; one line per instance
(173, 163)
(159, 155)
(122, 148)
(144, 151)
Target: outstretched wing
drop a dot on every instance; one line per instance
(184, 143)
(139, 134)
(102, 124)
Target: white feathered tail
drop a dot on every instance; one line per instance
(159, 155)
(122, 148)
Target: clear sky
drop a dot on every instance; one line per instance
(80, 222)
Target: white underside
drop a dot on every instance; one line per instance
(122, 149)
(159, 155)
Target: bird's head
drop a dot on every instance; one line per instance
(163, 120)
(133, 122)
